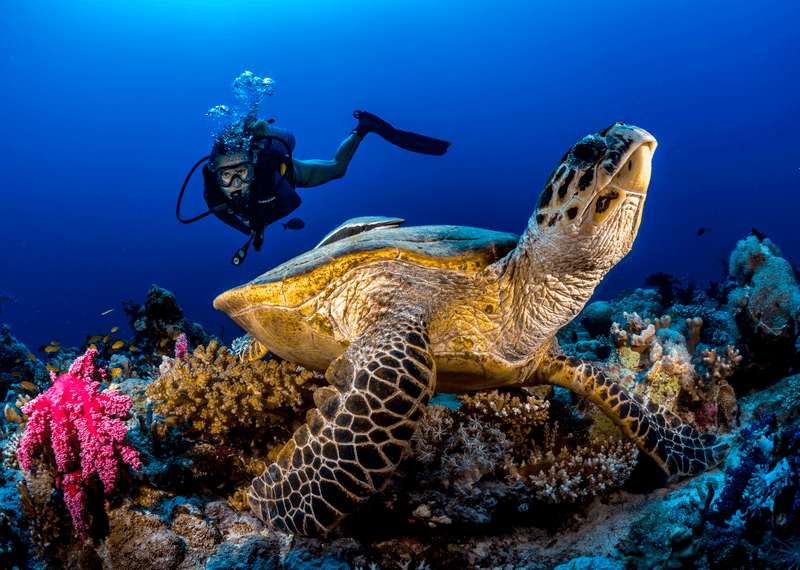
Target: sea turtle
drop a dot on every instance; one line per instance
(395, 314)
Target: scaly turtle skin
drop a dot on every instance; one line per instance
(395, 314)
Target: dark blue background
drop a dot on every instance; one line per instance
(103, 108)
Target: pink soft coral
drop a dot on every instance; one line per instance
(181, 347)
(81, 429)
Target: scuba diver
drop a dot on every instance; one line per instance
(251, 177)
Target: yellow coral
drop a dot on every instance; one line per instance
(664, 389)
(215, 392)
(628, 358)
(604, 428)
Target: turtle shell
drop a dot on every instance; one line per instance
(279, 309)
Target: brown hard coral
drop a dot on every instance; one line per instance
(141, 541)
(47, 518)
(216, 393)
(516, 412)
(581, 473)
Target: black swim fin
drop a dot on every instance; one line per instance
(404, 139)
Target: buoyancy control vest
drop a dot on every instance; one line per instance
(271, 195)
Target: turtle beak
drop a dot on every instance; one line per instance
(634, 174)
(622, 197)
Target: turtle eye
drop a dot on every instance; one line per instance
(588, 150)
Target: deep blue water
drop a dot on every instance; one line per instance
(103, 108)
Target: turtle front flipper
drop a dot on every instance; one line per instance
(355, 439)
(677, 448)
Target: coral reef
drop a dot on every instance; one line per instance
(459, 450)
(219, 396)
(78, 431)
(766, 305)
(653, 359)
(517, 414)
(12, 549)
(510, 478)
(160, 322)
(47, 516)
(580, 474)
(670, 536)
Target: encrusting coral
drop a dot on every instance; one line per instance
(766, 306)
(215, 393)
(47, 518)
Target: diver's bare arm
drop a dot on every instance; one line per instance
(315, 172)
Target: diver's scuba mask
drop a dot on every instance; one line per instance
(244, 171)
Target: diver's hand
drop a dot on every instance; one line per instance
(261, 129)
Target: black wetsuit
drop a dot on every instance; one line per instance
(266, 202)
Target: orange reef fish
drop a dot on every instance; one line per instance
(115, 329)
(118, 344)
(106, 312)
(95, 338)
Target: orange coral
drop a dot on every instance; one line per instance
(215, 392)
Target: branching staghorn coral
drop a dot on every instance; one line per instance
(214, 392)
(579, 474)
(721, 406)
(516, 414)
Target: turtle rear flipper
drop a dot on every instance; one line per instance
(354, 440)
(677, 448)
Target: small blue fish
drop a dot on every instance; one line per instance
(294, 224)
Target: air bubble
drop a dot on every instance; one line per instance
(250, 90)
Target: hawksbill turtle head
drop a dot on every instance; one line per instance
(591, 205)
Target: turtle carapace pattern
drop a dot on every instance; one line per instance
(395, 314)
